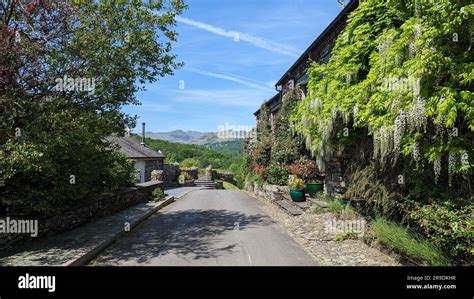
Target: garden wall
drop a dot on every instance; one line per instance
(151, 165)
(336, 180)
(82, 213)
(224, 176)
(270, 192)
(171, 174)
(192, 172)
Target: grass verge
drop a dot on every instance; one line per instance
(335, 206)
(399, 239)
(229, 186)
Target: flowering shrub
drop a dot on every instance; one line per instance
(447, 225)
(305, 169)
(261, 171)
(298, 184)
(157, 175)
(190, 163)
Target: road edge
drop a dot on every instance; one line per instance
(83, 259)
(264, 201)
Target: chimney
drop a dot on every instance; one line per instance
(143, 134)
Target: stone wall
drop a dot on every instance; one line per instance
(82, 213)
(151, 165)
(192, 172)
(225, 176)
(270, 192)
(336, 181)
(171, 174)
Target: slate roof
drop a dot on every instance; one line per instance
(132, 148)
(273, 104)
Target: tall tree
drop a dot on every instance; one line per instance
(67, 68)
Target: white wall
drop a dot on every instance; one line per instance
(140, 164)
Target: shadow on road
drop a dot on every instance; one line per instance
(192, 234)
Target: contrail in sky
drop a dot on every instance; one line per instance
(253, 40)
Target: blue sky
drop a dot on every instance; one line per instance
(227, 75)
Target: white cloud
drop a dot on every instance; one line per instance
(234, 78)
(253, 40)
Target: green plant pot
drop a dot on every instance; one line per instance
(343, 201)
(314, 188)
(297, 195)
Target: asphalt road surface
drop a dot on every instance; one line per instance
(207, 228)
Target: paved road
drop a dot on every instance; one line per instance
(179, 191)
(208, 228)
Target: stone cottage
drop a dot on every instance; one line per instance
(146, 160)
(297, 76)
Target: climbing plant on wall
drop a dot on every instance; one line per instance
(262, 151)
(288, 147)
(404, 70)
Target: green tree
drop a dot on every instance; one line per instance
(51, 137)
(190, 163)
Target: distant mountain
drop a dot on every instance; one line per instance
(194, 137)
(177, 136)
(209, 140)
(231, 146)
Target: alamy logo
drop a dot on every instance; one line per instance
(402, 85)
(228, 131)
(75, 84)
(15, 226)
(37, 282)
(345, 226)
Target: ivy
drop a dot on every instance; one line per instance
(287, 147)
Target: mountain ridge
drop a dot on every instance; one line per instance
(194, 137)
(210, 140)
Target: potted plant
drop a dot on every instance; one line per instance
(341, 199)
(297, 190)
(314, 187)
(308, 170)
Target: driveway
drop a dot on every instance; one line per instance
(207, 228)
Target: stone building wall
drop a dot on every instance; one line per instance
(336, 179)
